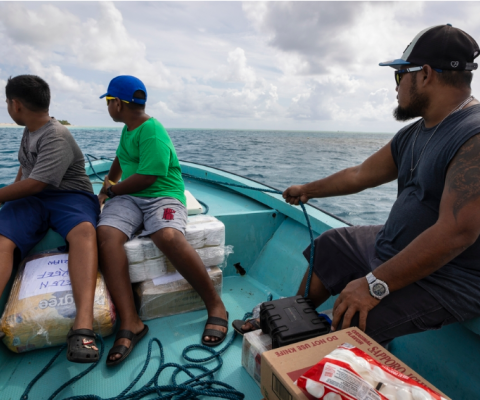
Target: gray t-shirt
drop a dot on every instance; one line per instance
(51, 155)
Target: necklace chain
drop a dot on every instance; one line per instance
(458, 108)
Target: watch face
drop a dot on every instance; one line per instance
(378, 289)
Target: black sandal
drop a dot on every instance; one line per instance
(237, 325)
(81, 346)
(124, 351)
(215, 332)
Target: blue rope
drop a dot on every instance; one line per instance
(197, 386)
(312, 242)
(91, 165)
(74, 379)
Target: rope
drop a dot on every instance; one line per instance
(312, 242)
(197, 386)
(72, 380)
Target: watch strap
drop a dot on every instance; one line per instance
(370, 278)
(110, 193)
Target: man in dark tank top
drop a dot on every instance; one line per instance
(421, 270)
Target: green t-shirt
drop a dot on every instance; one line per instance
(148, 150)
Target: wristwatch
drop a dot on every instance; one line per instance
(377, 287)
(110, 192)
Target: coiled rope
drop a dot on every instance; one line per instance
(203, 384)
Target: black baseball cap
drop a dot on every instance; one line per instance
(443, 47)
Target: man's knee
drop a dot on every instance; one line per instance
(326, 238)
(168, 235)
(84, 231)
(109, 236)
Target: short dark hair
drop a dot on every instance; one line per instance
(455, 78)
(32, 91)
(139, 94)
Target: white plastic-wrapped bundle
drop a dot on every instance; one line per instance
(171, 294)
(147, 269)
(205, 230)
(206, 235)
(145, 260)
(254, 344)
(210, 256)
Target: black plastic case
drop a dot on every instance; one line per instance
(291, 320)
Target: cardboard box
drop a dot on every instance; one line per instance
(283, 366)
(255, 343)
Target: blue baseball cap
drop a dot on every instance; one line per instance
(124, 86)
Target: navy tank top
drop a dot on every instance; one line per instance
(456, 285)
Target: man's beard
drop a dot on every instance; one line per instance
(418, 104)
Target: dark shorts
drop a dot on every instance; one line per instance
(26, 221)
(344, 254)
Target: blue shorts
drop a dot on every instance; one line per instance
(26, 221)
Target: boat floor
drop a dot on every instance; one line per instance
(240, 294)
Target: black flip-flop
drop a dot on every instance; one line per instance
(215, 332)
(124, 351)
(237, 325)
(81, 346)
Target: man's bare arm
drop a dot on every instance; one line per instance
(457, 227)
(21, 189)
(115, 172)
(376, 170)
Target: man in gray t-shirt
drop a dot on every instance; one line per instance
(52, 190)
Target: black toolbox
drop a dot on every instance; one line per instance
(291, 320)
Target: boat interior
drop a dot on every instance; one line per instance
(268, 237)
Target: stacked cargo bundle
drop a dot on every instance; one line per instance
(159, 289)
(41, 309)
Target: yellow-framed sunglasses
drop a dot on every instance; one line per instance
(107, 98)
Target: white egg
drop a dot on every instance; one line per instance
(316, 389)
(404, 395)
(420, 394)
(388, 391)
(332, 396)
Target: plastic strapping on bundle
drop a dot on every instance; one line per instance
(194, 388)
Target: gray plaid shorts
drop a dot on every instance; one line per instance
(129, 213)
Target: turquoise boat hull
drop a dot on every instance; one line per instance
(268, 237)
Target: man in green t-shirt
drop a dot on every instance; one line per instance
(151, 194)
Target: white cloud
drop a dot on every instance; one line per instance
(270, 64)
(237, 69)
(256, 99)
(102, 43)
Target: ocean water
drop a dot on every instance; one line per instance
(276, 158)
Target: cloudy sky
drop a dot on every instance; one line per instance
(251, 65)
